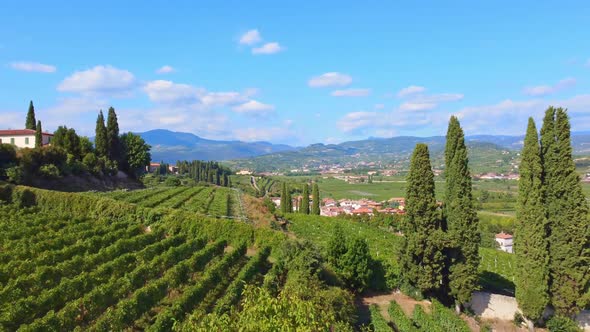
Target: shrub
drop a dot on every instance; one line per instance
(562, 324)
(91, 162)
(15, 174)
(49, 171)
(172, 181)
(23, 198)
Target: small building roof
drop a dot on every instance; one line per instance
(503, 235)
(20, 132)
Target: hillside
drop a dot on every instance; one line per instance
(171, 146)
(392, 152)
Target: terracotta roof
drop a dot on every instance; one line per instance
(503, 235)
(20, 132)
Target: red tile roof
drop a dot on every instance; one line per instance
(20, 132)
(503, 235)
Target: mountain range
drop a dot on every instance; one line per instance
(497, 152)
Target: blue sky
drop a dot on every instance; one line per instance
(295, 72)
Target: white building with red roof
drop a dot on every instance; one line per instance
(22, 138)
(505, 241)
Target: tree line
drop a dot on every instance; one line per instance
(286, 205)
(552, 235)
(205, 171)
(70, 153)
(439, 252)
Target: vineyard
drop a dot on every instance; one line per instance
(496, 267)
(205, 200)
(123, 268)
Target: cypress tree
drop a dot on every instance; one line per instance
(284, 198)
(567, 217)
(113, 141)
(31, 123)
(304, 208)
(100, 138)
(421, 257)
(530, 237)
(38, 135)
(289, 201)
(315, 197)
(461, 220)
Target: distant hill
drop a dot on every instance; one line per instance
(494, 153)
(394, 152)
(171, 146)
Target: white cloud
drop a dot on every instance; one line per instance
(168, 92)
(251, 37)
(410, 90)
(162, 91)
(379, 106)
(254, 108)
(417, 106)
(33, 67)
(12, 120)
(351, 93)
(588, 63)
(165, 70)
(268, 48)
(543, 90)
(74, 106)
(100, 79)
(222, 98)
(330, 79)
(510, 116)
(272, 134)
(357, 120)
(438, 98)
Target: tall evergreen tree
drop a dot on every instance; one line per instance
(567, 217)
(421, 257)
(289, 201)
(100, 138)
(38, 135)
(113, 140)
(284, 198)
(315, 197)
(304, 208)
(31, 123)
(461, 220)
(530, 237)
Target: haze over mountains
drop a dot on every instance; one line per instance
(171, 146)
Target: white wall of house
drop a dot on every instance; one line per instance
(23, 141)
(505, 244)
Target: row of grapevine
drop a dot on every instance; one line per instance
(79, 250)
(150, 263)
(88, 262)
(180, 199)
(441, 319)
(131, 308)
(378, 323)
(26, 309)
(193, 295)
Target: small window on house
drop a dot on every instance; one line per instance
(12, 141)
(26, 141)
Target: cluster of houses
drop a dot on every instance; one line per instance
(497, 176)
(331, 208)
